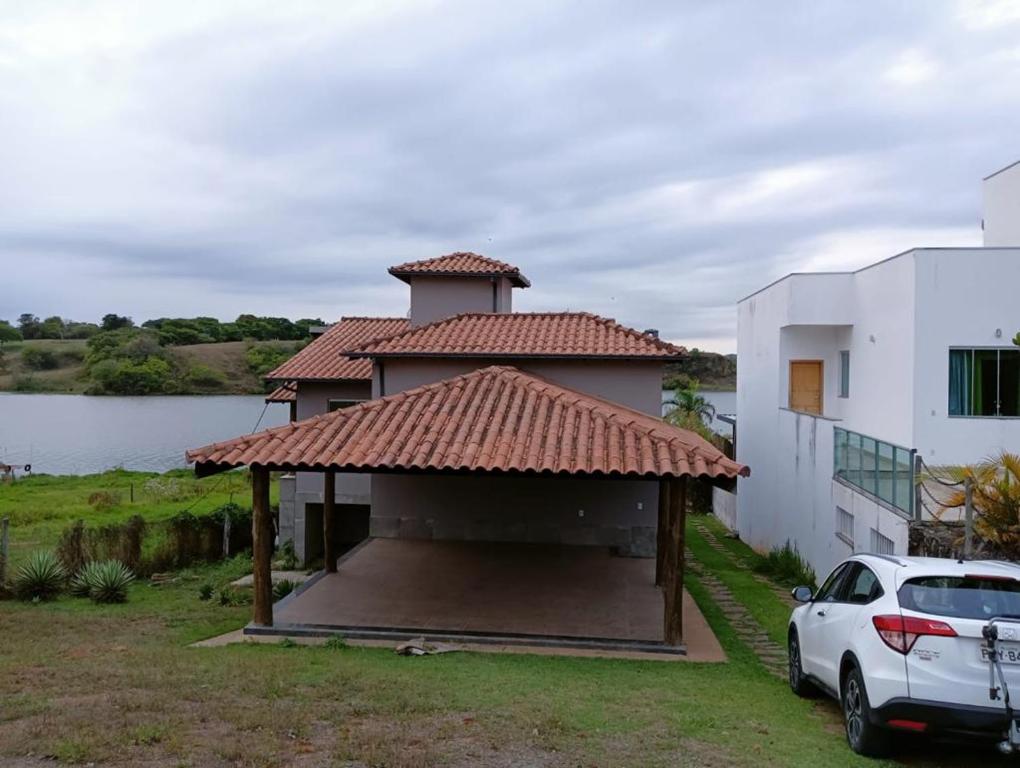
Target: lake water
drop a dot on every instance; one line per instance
(77, 435)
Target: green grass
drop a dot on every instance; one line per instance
(118, 685)
(759, 600)
(40, 507)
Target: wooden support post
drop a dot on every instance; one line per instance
(661, 532)
(673, 584)
(262, 547)
(328, 514)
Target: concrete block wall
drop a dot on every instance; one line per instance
(574, 511)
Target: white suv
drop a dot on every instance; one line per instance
(912, 644)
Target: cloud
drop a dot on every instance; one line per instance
(653, 162)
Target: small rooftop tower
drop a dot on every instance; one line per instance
(1002, 207)
(456, 283)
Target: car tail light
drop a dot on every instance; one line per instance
(901, 632)
(908, 725)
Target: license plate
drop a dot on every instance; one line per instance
(1009, 655)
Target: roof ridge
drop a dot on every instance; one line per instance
(608, 322)
(371, 317)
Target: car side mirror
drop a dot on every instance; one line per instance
(802, 594)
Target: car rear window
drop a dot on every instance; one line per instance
(964, 597)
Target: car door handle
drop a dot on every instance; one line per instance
(821, 612)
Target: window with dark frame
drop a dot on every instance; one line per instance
(845, 526)
(984, 382)
(844, 373)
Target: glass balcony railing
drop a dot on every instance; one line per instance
(884, 470)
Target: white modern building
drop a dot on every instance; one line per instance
(845, 378)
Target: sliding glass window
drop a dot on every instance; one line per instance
(984, 382)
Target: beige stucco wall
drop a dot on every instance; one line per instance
(637, 385)
(435, 298)
(580, 511)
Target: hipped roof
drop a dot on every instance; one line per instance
(492, 420)
(324, 360)
(285, 393)
(460, 264)
(521, 334)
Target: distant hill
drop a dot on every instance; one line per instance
(712, 371)
(229, 368)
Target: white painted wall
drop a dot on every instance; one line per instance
(963, 297)
(1002, 207)
(898, 319)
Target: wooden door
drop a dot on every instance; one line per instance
(806, 386)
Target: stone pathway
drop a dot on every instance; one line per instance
(781, 592)
(749, 631)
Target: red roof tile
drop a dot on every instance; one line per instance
(323, 358)
(493, 420)
(285, 393)
(521, 334)
(460, 264)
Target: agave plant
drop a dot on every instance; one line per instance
(996, 498)
(108, 581)
(81, 582)
(40, 578)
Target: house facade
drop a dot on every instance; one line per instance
(517, 463)
(849, 381)
(461, 319)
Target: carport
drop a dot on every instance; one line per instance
(495, 421)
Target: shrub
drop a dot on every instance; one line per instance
(27, 384)
(230, 596)
(336, 643)
(201, 375)
(108, 581)
(264, 358)
(39, 359)
(287, 557)
(102, 501)
(205, 592)
(784, 564)
(282, 588)
(42, 577)
(81, 582)
(79, 545)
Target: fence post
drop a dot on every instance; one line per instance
(226, 535)
(4, 547)
(918, 478)
(968, 516)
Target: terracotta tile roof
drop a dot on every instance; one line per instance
(323, 358)
(496, 419)
(461, 264)
(285, 393)
(521, 334)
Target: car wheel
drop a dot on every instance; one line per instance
(863, 736)
(799, 684)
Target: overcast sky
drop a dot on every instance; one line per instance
(652, 162)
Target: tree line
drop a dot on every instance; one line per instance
(168, 331)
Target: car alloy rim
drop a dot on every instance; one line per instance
(852, 708)
(794, 663)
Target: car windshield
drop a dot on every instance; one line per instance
(964, 597)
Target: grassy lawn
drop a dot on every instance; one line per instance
(117, 685)
(40, 507)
